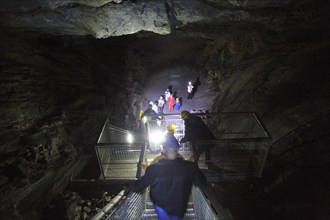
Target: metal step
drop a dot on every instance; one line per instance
(149, 205)
(150, 214)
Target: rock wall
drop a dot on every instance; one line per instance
(106, 18)
(286, 81)
(55, 95)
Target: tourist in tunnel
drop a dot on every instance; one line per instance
(150, 116)
(161, 104)
(189, 90)
(171, 103)
(195, 129)
(170, 139)
(177, 105)
(154, 106)
(170, 181)
(167, 94)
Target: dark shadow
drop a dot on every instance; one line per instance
(196, 84)
(180, 100)
(212, 167)
(175, 94)
(170, 87)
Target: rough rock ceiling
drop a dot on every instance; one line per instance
(106, 18)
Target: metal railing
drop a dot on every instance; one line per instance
(130, 208)
(119, 152)
(113, 134)
(231, 126)
(239, 150)
(235, 126)
(204, 205)
(233, 160)
(202, 208)
(118, 160)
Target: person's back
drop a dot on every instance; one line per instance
(177, 104)
(150, 113)
(170, 184)
(196, 129)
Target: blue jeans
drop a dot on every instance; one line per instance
(162, 215)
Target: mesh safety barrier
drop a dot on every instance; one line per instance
(130, 208)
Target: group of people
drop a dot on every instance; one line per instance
(171, 99)
(173, 102)
(170, 177)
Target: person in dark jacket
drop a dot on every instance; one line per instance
(150, 113)
(170, 181)
(195, 129)
(150, 116)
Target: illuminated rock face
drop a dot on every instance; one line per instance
(108, 18)
(86, 18)
(266, 56)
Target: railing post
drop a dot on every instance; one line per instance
(141, 159)
(99, 160)
(263, 164)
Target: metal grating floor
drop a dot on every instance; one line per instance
(150, 213)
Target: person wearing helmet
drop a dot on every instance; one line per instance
(170, 181)
(169, 139)
(177, 105)
(168, 142)
(195, 129)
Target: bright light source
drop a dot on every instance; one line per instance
(157, 136)
(159, 123)
(144, 119)
(129, 138)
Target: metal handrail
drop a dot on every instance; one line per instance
(221, 212)
(207, 194)
(141, 159)
(105, 210)
(103, 128)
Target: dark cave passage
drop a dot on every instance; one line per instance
(67, 65)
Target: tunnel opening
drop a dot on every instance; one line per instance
(65, 67)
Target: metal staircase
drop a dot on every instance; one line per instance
(240, 150)
(150, 214)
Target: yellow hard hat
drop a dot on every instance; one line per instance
(171, 127)
(184, 114)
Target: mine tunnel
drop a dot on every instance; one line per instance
(76, 76)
